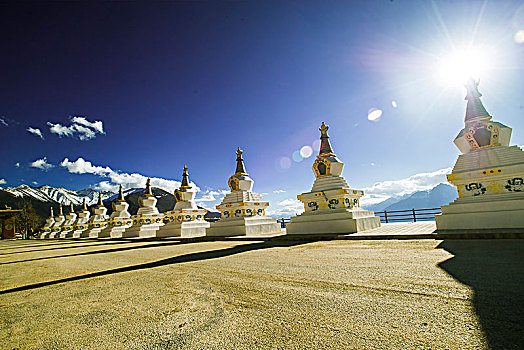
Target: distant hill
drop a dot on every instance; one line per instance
(439, 195)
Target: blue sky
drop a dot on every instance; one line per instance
(154, 86)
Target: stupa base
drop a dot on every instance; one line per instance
(142, 231)
(502, 213)
(66, 234)
(244, 226)
(55, 234)
(337, 221)
(183, 229)
(81, 233)
(116, 232)
(95, 233)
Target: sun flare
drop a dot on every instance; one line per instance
(459, 66)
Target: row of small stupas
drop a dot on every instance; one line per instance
(330, 207)
(488, 176)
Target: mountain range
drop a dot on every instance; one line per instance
(44, 197)
(439, 195)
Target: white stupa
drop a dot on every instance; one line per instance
(98, 220)
(48, 226)
(186, 219)
(147, 220)
(57, 226)
(81, 226)
(243, 211)
(119, 220)
(489, 176)
(68, 226)
(331, 207)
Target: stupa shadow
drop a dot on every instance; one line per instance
(212, 254)
(65, 246)
(493, 269)
(103, 251)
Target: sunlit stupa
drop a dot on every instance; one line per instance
(98, 220)
(81, 226)
(57, 226)
(243, 211)
(186, 219)
(119, 220)
(147, 220)
(68, 226)
(48, 226)
(489, 175)
(331, 207)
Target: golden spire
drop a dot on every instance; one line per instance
(84, 206)
(71, 209)
(241, 170)
(185, 180)
(120, 195)
(51, 213)
(147, 191)
(60, 212)
(100, 204)
(325, 146)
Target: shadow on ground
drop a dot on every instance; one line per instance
(212, 254)
(494, 269)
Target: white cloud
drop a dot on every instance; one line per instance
(42, 164)
(279, 191)
(81, 128)
(3, 122)
(2, 182)
(212, 196)
(34, 183)
(98, 126)
(35, 131)
(134, 180)
(61, 130)
(286, 208)
(383, 190)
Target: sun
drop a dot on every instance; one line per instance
(457, 67)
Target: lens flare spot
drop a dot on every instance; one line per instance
(374, 114)
(394, 104)
(285, 163)
(297, 157)
(316, 145)
(306, 151)
(519, 36)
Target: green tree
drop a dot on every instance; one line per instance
(27, 221)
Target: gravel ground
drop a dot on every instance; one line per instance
(369, 294)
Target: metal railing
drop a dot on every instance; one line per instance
(283, 222)
(411, 215)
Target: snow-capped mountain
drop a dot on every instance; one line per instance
(439, 195)
(44, 197)
(58, 195)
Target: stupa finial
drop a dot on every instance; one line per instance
(51, 215)
(84, 205)
(147, 191)
(475, 109)
(120, 195)
(100, 204)
(241, 170)
(71, 209)
(325, 146)
(185, 180)
(60, 211)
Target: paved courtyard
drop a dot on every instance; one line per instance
(341, 294)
